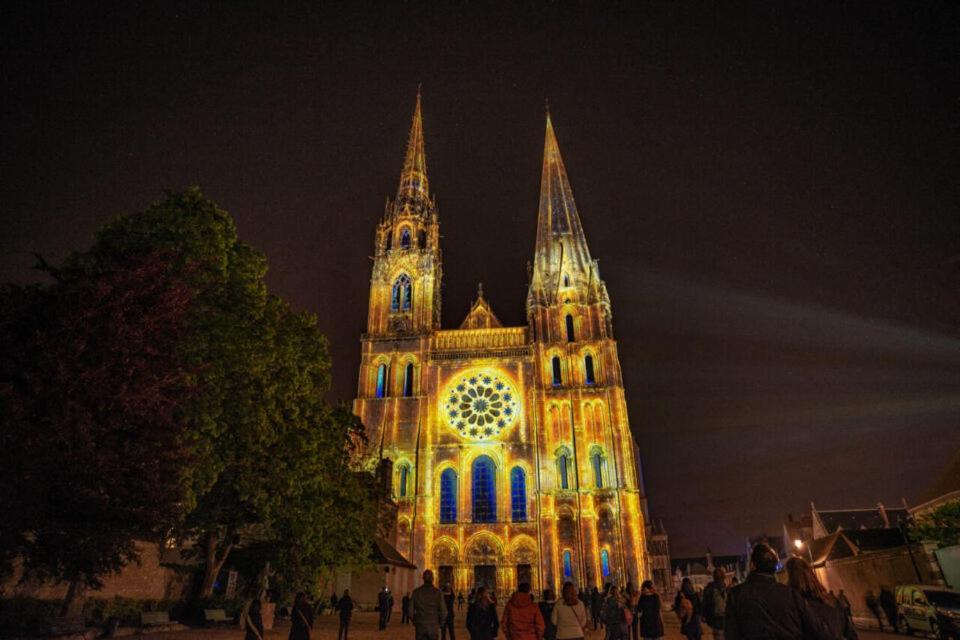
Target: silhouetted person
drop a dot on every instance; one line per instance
(649, 610)
(301, 618)
(521, 617)
(449, 600)
(824, 606)
(688, 608)
(482, 620)
(761, 608)
(546, 610)
(596, 606)
(383, 606)
(428, 609)
(253, 624)
(874, 605)
(889, 605)
(345, 607)
(715, 603)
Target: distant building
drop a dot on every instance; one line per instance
(700, 569)
(658, 550)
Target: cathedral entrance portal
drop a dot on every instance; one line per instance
(446, 576)
(485, 575)
(524, 574)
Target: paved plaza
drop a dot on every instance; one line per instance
(364, 627)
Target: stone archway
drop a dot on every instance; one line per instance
(483, 554)
(524, 561)
(445, 559)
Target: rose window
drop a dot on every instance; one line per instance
(480, 405)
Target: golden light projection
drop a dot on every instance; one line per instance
(513, 459)
(480, 404)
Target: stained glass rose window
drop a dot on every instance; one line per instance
(480, 404)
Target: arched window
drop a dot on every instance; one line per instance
(588, 370)
(484, 490)
(557, 377)
(402, 294)
(570, 336)
(408, 381)
(403, 478)
(448, 496)
(518, 495)
(405, 238)
(566, 280)
(605, 563)
(596, 462)
(563, 470)
(422, 239)
(382, 381)
(567, 565)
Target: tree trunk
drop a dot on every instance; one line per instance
(213, 562)
(75, 599)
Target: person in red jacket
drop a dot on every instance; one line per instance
(522, 619)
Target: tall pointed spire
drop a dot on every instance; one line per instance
(561, 250)
(414, 186)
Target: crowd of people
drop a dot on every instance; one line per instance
(760, 607)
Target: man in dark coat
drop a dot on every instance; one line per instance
(345, 607)
(888, 603)
(449, 600)
(715, 603)
(301, 618)
(428, 609)
(762, 608)
(383, 606)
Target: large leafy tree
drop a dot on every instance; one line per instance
(941, 525)
(91, 452)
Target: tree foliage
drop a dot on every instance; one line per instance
(941, 525)
(91, 450)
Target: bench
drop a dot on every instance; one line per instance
(154, 618)
(215, 615)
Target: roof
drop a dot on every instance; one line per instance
(698, 565)
(854, 519)
(481, 316)
(383, 552)
(845, 544)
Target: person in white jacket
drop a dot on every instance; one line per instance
(569, 615)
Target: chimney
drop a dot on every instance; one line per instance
(883, 515)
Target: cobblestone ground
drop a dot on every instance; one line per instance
(364, 627)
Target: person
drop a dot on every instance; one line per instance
(482, 620)
(428, 609)
(631, 600)
(345, 607)
(333, 603)
(521, 617)
(615, 616)
(760, 607)
(888, 603)
(874, 605)
(449, 600)
(546, 610)
(596, 605)
(715, 603)
(405, 608)
(688, 607)
(460, 601)
(569, 615)
(845, 603)
(253, 623)
(301, 618)
(825, 607)
(383, 606)
(649, 610)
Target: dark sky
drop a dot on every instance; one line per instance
(772, 193)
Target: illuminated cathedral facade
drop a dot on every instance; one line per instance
(513, 459)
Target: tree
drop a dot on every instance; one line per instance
(91, 452)
(941, 525)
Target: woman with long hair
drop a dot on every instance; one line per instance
(569, 615)
(688, 608)
(649, 611)
(824, 606)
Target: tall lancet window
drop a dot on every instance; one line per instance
(589, 376)
(382, 381)
(570, 334)
(448, 496)
(484, 490)
(557, 377)
(408, 381)
(402, 295)
(405, 238)
(518, 495)
(563, 469)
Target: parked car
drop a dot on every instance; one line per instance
(925, 608)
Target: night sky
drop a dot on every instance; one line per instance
(772, 194)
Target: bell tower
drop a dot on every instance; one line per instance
(405, 287)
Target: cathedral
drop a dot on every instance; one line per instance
(512, 456)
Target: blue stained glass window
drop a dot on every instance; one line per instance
(597, 461)
(605, 563)
(405, 239)
(567, 565)
(557, 378)
(562, 470)
(518, 495)
(382, 381)
(484, 490)
(404, 472)
(408, 381)
(402, 294)
(570, 336)
(448, 496)
(588, 368)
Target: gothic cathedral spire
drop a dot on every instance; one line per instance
(561, 256)
(414, 188)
